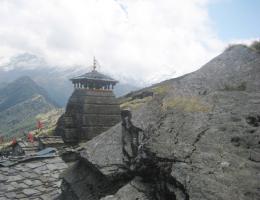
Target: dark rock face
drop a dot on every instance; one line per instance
(202, 137)
(88, 114)
(100, 170)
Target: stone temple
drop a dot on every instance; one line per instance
(92, 107)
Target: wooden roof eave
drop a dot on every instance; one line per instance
(92, 80)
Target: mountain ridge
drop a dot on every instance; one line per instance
(20, 102)
(20, 90)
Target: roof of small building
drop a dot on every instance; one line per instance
(94, 75)
(48, 140)
(28, 147)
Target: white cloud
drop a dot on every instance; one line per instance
(140, 40)
(247, 41)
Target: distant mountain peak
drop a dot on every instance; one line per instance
(20, 90)
(25, 79)
(25, 60)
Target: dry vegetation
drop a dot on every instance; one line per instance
(255, 46)
(187, 104)
(162, 89)
(135, 104)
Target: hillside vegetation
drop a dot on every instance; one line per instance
(20, 103)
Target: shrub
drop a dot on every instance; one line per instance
(135, 104)
(187, 104)
(231, 46)
(256, 46)
(239, 87)
(162, 89)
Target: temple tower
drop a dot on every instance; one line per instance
(92, 107)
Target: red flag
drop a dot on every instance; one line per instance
(30, 137)
(39, 124)
(14, 141)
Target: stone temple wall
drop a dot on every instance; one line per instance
(88, 113)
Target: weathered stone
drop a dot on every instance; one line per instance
(88, 113)
(29, 174)
(40, 169)
(29, 192)
(14, 178)
(28, 182)
(37, 183)
(133, 190)
(40, 188)
(61, 166)
(45, 197)
(51, 166)
(34, 164)
(3, 187)
(54, 194)
(32, 183)
(107, 158)
(3, 178)
(14, 184)
(20, 196)
(22, 185)
(10, 195)
(9, 188)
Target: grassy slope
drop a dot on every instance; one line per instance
(22, 117)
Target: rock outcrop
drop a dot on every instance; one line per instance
(202, 139)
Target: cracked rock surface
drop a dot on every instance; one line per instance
(203, 138)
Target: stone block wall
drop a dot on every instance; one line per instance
(88, 113)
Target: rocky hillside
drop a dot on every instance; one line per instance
(201, 139)
(20, 102)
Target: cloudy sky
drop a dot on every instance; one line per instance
(141, 40)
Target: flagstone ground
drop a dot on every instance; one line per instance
(38, 179)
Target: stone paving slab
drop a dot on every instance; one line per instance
(38, 179)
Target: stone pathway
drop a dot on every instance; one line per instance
(32, 180)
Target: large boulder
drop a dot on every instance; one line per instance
(209, 124)
(100, 170)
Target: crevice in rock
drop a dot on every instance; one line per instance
(154, 170)
(157, 171)
(199, 136)
(197, 139)
(85, 181)
(176, 138)
(253, 120)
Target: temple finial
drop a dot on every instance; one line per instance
(94, 64)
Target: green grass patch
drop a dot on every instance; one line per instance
(187, 104)
(162, 89)
(135, 104)
(239, 87)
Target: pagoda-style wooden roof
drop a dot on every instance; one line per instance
(94, 75)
